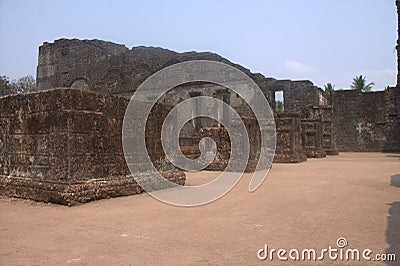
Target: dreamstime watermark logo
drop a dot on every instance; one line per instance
(341, 253)
(157, 85)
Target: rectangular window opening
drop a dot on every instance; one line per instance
(279, 102)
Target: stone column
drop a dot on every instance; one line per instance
(398, 42)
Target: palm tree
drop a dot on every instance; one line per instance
(329, 87)
(359, 83)
(279, 106)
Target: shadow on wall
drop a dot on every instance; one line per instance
(392, 99)
(393, 227)
(392, 137)
(395, 180)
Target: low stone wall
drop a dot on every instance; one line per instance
(65, 146)
(222, 140)
(223, 143)
(72, 193)
(367, 121)
(312, 139)
(221, 137)
(329, 134)
(289, 148)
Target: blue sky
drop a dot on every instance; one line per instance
(320, 40)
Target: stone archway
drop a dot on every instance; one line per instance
(81, 83)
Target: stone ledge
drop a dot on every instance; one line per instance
(74, 193)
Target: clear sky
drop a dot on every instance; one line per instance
(320, 40)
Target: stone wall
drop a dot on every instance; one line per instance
(329, 135)
(367, 121)
(222, 140)
(398, 43)
(111, 68)
(312, 138)
(297, 94)
(66, 61)
(64, 146)
(289, 147)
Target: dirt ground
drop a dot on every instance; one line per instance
(299, 206)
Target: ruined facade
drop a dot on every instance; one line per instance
(106, 67)
(296, 94)
(398, 42)
(64, 145)
(367, 121)
(110, 68)
(323, 129)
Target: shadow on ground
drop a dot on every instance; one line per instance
(396, 155)
(395, 180)
(393, 227)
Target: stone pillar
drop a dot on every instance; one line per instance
(398, 42)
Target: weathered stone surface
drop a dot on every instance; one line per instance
(312, 138)
(53, 140)
(112, 68)
(296, 94)
(398, 43)
(329, 135)
(222, 139)
(289, 148)
(66, 137)
(367, 121)
(72, 193)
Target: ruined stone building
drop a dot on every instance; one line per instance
(106, 67)
(63, 143)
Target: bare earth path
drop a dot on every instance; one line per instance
(307, 205)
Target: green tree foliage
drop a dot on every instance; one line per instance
(329, 87)
(5, 86)
(24, 84)
(360, 83)
(279, 107)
